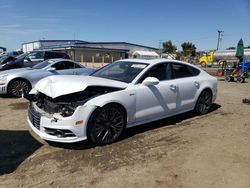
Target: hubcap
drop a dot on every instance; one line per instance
(17, 87)
(205, 102)
(109, 125)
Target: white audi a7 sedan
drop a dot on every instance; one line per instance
(123, 94)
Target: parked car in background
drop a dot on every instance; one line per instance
(17, 81)
(123, 94)
(9, 56)
(3, 50)
(30, 59)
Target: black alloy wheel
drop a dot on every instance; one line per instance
(106, 124)
(17, 87)
(204, 103)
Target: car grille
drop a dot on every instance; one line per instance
(34, 117)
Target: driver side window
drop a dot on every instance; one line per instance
(35, 55)
(161, 71)
(64, 65)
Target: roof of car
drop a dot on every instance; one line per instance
(60, 59)
(152, 61)
(159, 60)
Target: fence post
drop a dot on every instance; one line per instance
(81, 59)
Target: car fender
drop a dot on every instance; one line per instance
(124, 98)
(207, 85)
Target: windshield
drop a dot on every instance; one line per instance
(121, 71)
(21, 56)
(43, 64)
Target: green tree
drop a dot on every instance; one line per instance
(188, 49)
(168, 47)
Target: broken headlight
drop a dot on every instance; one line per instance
(66, 111)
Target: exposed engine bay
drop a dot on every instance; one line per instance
(65, 105)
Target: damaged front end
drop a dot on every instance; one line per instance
(66, 105)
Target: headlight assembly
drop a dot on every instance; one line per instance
(3, 79)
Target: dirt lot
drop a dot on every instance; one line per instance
(184, 151)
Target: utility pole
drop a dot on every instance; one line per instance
(219, 38)
(160, 47)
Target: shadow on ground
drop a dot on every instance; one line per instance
(4, 96)
(137, 130)
(19, 105)
(15, 147)
(164, 122)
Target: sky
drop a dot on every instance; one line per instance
(136, 21)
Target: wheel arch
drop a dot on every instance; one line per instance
(111, 103)
(19, 78)
(201, 91)
(95, 111)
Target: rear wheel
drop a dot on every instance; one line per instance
(106, 124)
(240, 79)
(203, 103)
(17, 87)
(203, 64)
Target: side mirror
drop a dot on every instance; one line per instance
(51, 69)
(150, 81)
(28, 59)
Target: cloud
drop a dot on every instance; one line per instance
(12, 26)
(19, 29)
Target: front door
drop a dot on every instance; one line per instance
(156, 101)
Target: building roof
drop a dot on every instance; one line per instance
(121, 43)
(59, 47)
(81, 42)
(73, 41)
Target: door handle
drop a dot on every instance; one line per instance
(172, 87)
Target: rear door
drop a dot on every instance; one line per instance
(187, 83)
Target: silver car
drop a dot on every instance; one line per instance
(14, 82)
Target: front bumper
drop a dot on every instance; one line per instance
(60, 130)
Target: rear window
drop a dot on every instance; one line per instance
(55, 55)
(194, 71)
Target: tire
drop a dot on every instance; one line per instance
(106, 124)
(17, 87)
(240, 79)
(229, 78)
(203, 64)
(203, 103)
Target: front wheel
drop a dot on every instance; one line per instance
(203, 103)
(106, 124)
(17, 87)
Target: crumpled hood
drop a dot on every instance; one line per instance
(55, 86)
